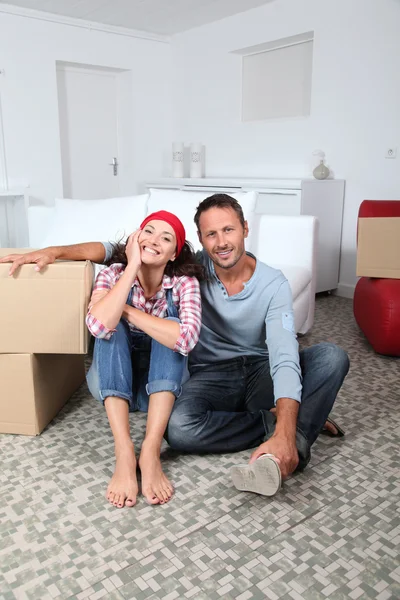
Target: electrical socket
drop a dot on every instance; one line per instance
(391, 152)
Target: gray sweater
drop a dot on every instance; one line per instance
(258, 321)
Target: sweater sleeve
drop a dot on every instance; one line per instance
(282, 345)
(108, 251)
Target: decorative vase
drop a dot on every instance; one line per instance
(321, 171)
(178, 152)
(196, 160)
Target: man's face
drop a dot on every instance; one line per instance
(222, 236)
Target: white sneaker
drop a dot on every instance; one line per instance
(263, 476)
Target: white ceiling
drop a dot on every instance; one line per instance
(156, 16)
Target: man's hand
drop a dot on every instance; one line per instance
(285, 451)
(42, 258)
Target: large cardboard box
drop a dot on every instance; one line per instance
(44, 312)
(378, 249)
(34, 388)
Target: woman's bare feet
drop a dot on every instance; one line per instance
(156, 487)
(123, 488)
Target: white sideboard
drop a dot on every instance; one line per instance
(322, 199)
(13, 219)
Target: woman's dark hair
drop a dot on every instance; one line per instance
(184, 264)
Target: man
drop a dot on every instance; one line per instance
(248, 385)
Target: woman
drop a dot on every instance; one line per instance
(145, 312)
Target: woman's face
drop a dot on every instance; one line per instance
(157, 242)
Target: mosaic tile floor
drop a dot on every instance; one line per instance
(332, 532)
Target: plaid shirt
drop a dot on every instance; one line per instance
(185, 296)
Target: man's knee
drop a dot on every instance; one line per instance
(330, 357)
(336, 357)
(183, 429)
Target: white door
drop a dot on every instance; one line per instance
(87, 100)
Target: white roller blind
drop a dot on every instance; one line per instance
(277, 83)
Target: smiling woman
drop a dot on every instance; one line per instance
(145, 313)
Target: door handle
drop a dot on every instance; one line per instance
(114, 164)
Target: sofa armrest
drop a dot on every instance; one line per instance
(290, 243)
(284, 240)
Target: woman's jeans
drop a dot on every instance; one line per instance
(131, 365)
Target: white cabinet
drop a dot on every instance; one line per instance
(322, 199)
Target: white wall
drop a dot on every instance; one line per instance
(355, 112)
(29, 50)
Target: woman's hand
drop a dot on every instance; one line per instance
(133, 251)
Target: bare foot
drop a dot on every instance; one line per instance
(331, 428)
(156, 487)
(123, 488)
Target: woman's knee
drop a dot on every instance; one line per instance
(166, 370)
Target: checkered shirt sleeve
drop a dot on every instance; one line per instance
(188, 289)
(105, 280)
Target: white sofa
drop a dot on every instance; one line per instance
(287, 243)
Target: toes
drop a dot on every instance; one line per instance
(119, 500)
(166, 494)
(169, 489)
(153, 499)
(162, 494)
(331, 428)
(130, 499)
(150, 496)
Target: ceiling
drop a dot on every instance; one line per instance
(155, 16)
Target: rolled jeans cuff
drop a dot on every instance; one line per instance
(164, 385)
(116, 394)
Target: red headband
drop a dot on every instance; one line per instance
(176, 224)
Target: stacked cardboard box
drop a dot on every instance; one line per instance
(43, 341)
(378, 247)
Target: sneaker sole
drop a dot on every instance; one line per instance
(263, 476)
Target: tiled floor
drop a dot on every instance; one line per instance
(332, 532)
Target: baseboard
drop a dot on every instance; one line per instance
(345, 290)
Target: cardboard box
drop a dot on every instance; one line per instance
(44, 312)
(378, 248)
(34, 388)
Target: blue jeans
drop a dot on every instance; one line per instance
(224, 407)
(131, 365)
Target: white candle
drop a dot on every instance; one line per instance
(196, 160)
(178, 159)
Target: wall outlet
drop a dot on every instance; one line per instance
(391, 152)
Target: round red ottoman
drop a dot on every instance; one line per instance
(377, 312)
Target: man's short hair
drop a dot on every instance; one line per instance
(218, 201)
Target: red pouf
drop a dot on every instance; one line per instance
(377, 312)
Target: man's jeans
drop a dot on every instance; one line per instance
(224, 407)
(132, 366)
